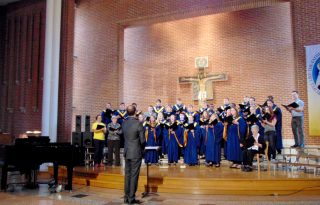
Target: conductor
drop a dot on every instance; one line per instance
(133, 147)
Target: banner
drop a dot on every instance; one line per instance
(313, 84)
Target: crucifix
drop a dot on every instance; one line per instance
(202, 84)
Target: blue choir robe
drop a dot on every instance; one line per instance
(277, 111)
(259, 116)
(177, 109)
(213, 143)
(235, 134)
(122, 115)
(173, 141)
(106, 116)
(151, 133)
(196, 116)
(191, 142)
(203, 133)
(162, 139)
(158, 109)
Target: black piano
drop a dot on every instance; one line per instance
(26, 156)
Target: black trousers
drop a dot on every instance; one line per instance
(98, 151)
(248, 156)
(270, 136)
(114, 147)
(132, 171)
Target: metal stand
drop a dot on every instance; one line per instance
(147, 192)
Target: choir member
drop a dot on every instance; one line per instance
(211, 109)
(179, 107)
(277, 111)
(158, 108)
(150, 113)
(234, 132)
(192, 113)
(151, 133)
(203, 123)
(191, 141)
(106, 114)
(138, 112)
(252, 145)
(141, 118)
(173, 135)
(254, 110)
(98, 129)
(162, 122)
(213, 141)
(114, 132)
(269, 123)
(121, 113)
(182, 119)
(168, 112)
(204, 107)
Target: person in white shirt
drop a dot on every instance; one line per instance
(250, 146)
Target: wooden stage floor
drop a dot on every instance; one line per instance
(202, 180)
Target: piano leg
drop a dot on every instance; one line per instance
(69, 172)
(4, 177)
(55, 172)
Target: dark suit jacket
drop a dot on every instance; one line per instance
(134, 139)
(248, 142)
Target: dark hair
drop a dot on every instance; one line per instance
(158, 101)
(295, 91)
(134, 104)
(131, 110)
(270, 97)
(122, 103)
(97, 116)
(253, 98)
(270, 100)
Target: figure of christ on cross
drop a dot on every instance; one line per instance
(202, 84)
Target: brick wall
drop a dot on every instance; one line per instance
(306, 30)
(253, 47)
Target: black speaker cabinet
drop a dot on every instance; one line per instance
(78, 123)
(77, 139)
(87, 138)
(87, 127)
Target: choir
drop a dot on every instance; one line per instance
(185, 133)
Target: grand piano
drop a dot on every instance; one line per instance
(26, 155)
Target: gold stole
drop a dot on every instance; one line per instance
(122, 114)
(153, 129)
(158, 111)
(185, 135)
(225, 130)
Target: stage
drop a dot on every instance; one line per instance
(202, 180)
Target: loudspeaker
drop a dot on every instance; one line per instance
(78, 123)
(77, 139)
(87, 138)
(87, 123)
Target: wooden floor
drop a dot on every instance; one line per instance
(202, 180)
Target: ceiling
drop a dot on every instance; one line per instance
(5, 2)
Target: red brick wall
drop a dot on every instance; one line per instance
(253, 47)
(251, 42)
(306, 30)
(21, 75)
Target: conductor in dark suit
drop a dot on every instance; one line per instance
(134, 142)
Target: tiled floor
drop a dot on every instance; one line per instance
(82, 195)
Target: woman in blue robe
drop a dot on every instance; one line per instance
(191, 142)
(162, 142)
(151, 132)
(213, 141)
(172, 136)
(203, 123)
(235, 132)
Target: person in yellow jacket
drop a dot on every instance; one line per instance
(98, 129)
